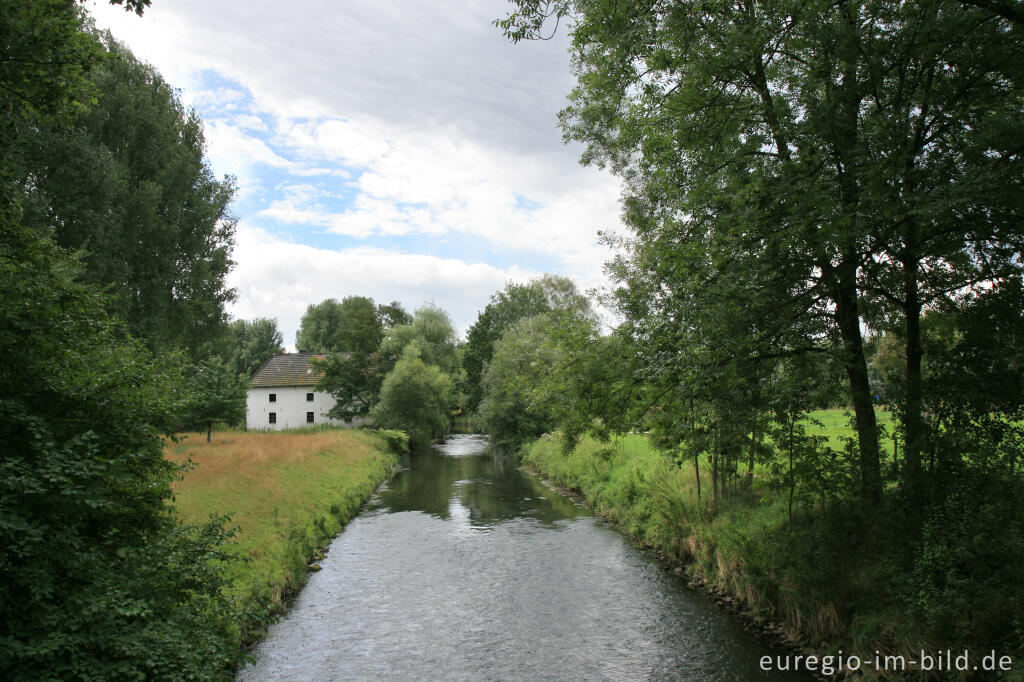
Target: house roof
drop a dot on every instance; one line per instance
(292, 369)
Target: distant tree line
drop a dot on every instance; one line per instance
(411, 372)
(402, 370)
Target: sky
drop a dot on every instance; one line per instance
(394, 149)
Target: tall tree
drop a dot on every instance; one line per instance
(98, 578)
(319, 326)
(361, 327)
(128, 185)
(415, 398)
(434, 334)
(355, 328)
(253, 342)
(216, 393)
(807, 158)
(517, 405)
(513, 303)
(506, 307)
(392, 315)
(353, 325)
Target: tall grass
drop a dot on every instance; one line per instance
(844, 576)
(287, 493)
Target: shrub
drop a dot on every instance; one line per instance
(99, 580)
(398, 441)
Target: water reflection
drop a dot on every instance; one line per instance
(474, 483)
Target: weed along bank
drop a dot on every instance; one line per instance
(283, 395)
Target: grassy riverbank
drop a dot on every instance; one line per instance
(287, 492)
(841, 577)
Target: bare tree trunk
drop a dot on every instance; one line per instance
(848, 319)
(209, 429)
(913, 424)
(696, 472)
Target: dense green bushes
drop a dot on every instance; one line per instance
(98, 578)
(398, 441)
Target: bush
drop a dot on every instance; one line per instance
(99, 581)
(967, 585)
(398, 441)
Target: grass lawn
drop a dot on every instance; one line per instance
(287, 492)
(836, 425)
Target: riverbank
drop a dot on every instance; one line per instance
(288, 493)
(464, 567)
(842, 577)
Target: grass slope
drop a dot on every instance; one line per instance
(842, 577)
(287, 493)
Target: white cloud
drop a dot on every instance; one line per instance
(340, 140)
(219, 97)
(279, 278)
(230, 147)
(430, 181)
(385, 119)
(249, 122)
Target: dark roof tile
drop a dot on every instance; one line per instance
(293, 369)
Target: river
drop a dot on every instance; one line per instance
(464, 567)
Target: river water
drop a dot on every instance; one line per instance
(464, 567)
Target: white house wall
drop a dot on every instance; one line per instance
(291, 407)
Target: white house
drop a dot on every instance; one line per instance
(282, 395)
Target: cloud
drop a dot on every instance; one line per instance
(278, 278)
(431, 181)
(249, 122)
(342, 140)
(399, 62)
(398, 126)
(231, 147)
(225, 98)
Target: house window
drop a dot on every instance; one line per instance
(309, 397)
(273, 397)
(273, 417)
(309, 417)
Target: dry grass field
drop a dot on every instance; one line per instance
(287, 492)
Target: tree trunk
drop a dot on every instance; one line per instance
(792, 483)
(844, 133)
(913, 424)
(848, 319)
(895, 455)
(209, 429)
(696, 472)
(714, 471)
(755, 442)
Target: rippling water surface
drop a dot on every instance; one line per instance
(464, 567)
